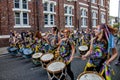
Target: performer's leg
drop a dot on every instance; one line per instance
(69, 71)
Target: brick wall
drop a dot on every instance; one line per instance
(36, 15)
(4, 42)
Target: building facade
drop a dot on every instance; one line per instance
(44, 14)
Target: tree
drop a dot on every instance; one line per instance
(116, 25)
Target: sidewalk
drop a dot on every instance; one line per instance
(3, 50)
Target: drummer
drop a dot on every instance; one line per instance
(41, 42)
(86, 37)
(66, 50)
(100, 47)
(53, 38)
(36, 41)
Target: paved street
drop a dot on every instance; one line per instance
(18, 68)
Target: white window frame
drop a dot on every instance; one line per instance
(26, 4)
(49, 13)
(69, 15)
(84, 16)
(14, 3)
(103, 17)
(102, 2)
(17, 17)
(21, 11)
(93, 1)
(94, 18)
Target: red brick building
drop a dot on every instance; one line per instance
(43, 14)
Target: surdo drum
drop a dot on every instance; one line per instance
(46, 58)
(56, 70)
(36, 58)
(90, 75)
(83, 49)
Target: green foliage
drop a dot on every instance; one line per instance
(116, 25)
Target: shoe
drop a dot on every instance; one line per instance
(117, 63)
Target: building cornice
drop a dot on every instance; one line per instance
(83, 4)
(94, 7)
(102, 9)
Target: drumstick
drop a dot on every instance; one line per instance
(78, 56)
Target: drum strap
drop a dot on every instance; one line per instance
(88, 65)
(106, 69)
(56, 77)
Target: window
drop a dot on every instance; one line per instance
(83, 17)
(49, 14)
(102, 2)
(70, 20)
(94, 18)
(17, 4)
(70, 10)
(21, 13)
(24, 3)
(102, 17)
(48, 7)
(51, 7)
(17, 18)
(46, 19)
(93, 1)
(66, 19)
(45, 6)
(66, 9)
(25, 18)
(21, 4)
(52, 19)
(68, 16)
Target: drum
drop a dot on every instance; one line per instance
(90, 75)
(83, 49)
(56, 70)
(13, 50)
(27, 53)
(46, 58)
(36, 58)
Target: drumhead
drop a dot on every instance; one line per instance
(47, 57)
(83, 48)
(55, 66)
(37, 55)
(90, 76)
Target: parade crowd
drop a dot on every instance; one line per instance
(56, 49)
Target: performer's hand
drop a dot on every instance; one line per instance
(71, 58)
(57, 51)
(107, 62)
(84, 57)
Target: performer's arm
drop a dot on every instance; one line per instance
(73, 52)
(113, 57)
(90, 50)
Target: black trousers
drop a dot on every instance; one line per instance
(119, 59)
(69, 71)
